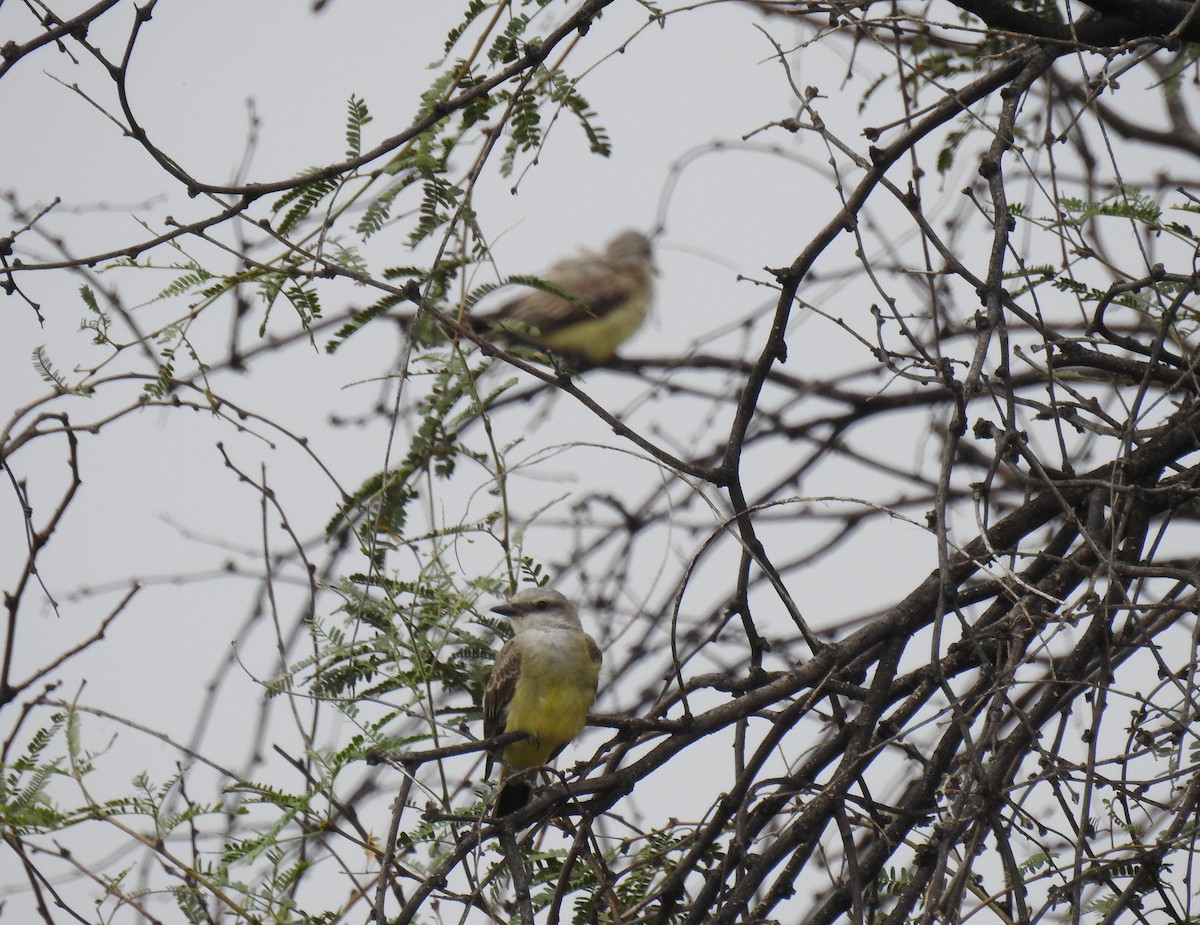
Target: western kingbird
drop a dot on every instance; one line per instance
(610, 297)
(543, 683)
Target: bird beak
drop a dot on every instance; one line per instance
(505, 610)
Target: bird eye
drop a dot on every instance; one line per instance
(542, 605)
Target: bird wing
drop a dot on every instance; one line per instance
(596, 286)
(596, 656)
(499, 692)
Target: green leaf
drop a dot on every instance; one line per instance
(356, 117)
(303, 199)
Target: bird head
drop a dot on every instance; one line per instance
(631, 247)
(539, 607)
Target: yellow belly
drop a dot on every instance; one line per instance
(554, 692)
(597, 340)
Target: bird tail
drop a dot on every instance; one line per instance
(514, 794)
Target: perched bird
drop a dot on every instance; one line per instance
(543, 683)
(610, 295)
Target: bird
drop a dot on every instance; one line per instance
(610, 296)
(543, 682)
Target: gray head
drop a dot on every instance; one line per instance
(631, 246)
(539, 607)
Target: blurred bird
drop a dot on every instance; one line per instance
(543, 683)
(609, 296)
